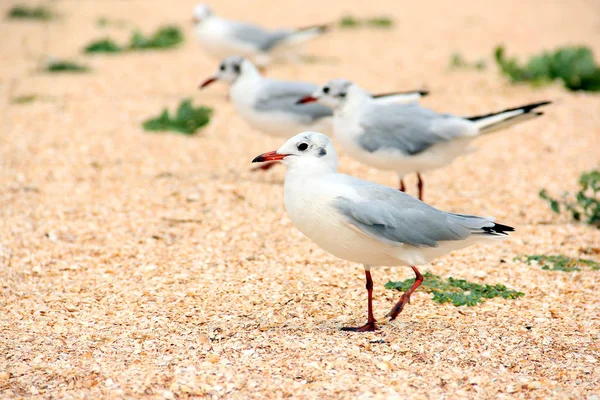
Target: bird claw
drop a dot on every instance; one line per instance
(397, 309)
(368, 327)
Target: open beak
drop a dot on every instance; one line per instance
(270, 156)
(307, 99)
(207, 82)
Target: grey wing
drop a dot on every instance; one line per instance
(408, 128)
(397, 218)
(260, 38)
(283, 96)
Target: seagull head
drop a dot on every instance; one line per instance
(230, 70)
(201, 13)
(307, 150)
(333, 94)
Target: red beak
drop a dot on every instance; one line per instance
(207, 82)
(270, 156)
(307, 99)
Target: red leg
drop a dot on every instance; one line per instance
(265, 166)
(371, 323)
(420, 186)
(402, 187)
(405, 298)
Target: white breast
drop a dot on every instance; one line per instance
(309, 203)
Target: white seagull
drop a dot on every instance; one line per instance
(367, 223)
(406, 138)
(223, 38)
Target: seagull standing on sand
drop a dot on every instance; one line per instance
(406, 138)
(223, 38)
(367, 223)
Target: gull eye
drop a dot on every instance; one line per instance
(326, 89)
(302, 146)
(342, 95)
(237, 68)
(222, 67)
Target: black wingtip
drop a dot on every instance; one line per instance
(527, 108)
(499, 229)
(420, 92)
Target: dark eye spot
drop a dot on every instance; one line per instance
(302, 146)
(222, 67)
(237, 68)
(322, 152)
(326, 89)
(342, 95)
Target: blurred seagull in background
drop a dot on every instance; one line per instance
(406, 138)
(223, 38)
(367, 223)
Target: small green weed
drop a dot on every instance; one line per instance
(575, 66)
(164, 38)
(380, 22)
(103, 46)
(458, 61)
(587, 200)
(28, 98)
(36, 13)
(350, 21)
(187, 119)
(559, 262)
(459, 292)
(105, 22)
(56, 66)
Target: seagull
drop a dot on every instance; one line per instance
(223, 38)
(406, 138)
(270, 105)
(365, 222)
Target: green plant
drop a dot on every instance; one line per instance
(587, 200)
(23, 12)
(65, 66)
(558, 262)
(459, 292)
(380, 22)
(29, 98)
(165, 37)
(349, 21)
(458, 61)
(103, 46)
(104, 22)
(575, 66)
(187, 119)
